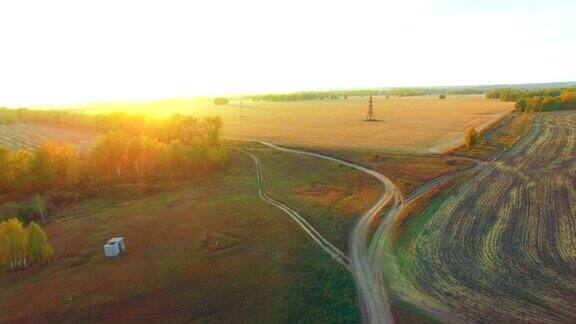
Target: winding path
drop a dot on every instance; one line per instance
(374, 297)
(333, 251)
(367, 255)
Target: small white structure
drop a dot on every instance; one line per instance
(114, 247)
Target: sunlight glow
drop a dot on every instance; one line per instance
(60, 52)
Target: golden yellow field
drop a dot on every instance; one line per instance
(415, 124)
(410, 124)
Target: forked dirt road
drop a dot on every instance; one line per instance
(368, 255)
(374, 297)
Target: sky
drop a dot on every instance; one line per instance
(63, 52)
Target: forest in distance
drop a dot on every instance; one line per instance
(537, 99)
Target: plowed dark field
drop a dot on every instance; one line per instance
(502, 245)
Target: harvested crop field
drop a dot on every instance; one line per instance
(28, 135)
(408, 124)
(502, 246)
(417, 124)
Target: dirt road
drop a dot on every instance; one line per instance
(374, 297)
(328, 247)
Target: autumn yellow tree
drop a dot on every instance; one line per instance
(44, 164)
(568, 99)
(135, 155)
(55, 165)
(14, 247)
(39, 249)
(212, 128)
(20, 170)
(110, 150)
(176, 158)
(68, 160)
(20, 246)
(152, 151)
(471, 138)
(534, 104)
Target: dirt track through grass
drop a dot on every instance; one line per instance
(376, 305)
(503, 245)
(322, 242)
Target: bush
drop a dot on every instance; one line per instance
(442, 96)
(471, 138)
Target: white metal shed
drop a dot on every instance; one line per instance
(114, 247)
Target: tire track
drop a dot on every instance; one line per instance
(369, 279)
(322, 242)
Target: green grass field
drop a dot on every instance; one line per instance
(330, 196)
(211, 251)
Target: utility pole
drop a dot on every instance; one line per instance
(371, 116)
(241, 108)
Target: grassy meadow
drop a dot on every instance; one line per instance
(330, 196)
(210, 250)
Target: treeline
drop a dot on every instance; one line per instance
(537, 99)
(118, 154)
(21, 246)
(183, 147)
(337, 94)
(300, 96)
(51, 165)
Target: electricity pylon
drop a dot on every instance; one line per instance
(371, 116)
